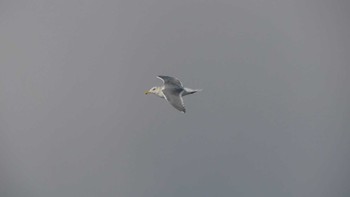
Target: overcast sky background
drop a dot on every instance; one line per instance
(272, 119)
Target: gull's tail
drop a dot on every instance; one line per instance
(190, 91)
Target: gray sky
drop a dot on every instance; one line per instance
(272, 120)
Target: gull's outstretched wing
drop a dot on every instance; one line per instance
(174, 97)
(170, 81)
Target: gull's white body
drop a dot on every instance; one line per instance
(159, 91)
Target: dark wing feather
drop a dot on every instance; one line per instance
(170, 81)
(174, 97)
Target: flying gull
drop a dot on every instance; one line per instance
(172, 90)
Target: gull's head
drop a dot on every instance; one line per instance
(153, 90)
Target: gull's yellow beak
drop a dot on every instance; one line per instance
(146, 92)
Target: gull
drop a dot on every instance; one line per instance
(172, 90)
